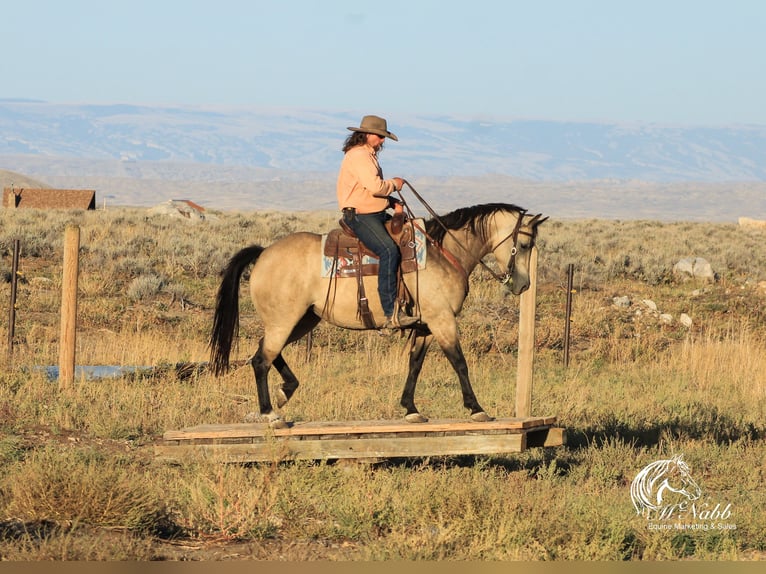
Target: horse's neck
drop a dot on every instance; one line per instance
(466, 248)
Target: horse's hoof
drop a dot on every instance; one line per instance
(481, 417)
(281, 398)
(415, 418)
(272, 419)
(278, 424)
(254, 418)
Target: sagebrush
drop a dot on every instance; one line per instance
(78, 479)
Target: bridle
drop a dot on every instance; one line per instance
(506, 277)
(514, 235)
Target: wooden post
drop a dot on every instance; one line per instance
(570, 276)
(527, 341)
(14, 283)
(68, 337)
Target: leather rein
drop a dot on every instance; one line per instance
(504, 278)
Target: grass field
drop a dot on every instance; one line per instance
(78, 479)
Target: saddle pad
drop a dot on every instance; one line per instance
(344, 263)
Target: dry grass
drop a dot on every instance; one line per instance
(78, 481)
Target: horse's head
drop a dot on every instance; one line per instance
(514, 237)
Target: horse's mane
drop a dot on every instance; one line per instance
(475, 216)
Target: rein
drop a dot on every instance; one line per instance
(506, 277)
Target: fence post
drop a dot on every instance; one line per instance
(527, 341)
(570, 278)
(14, 284)
(68, 337)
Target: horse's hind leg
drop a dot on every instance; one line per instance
(270, 353)
(261, 365)
(289, 380)
(418, 351)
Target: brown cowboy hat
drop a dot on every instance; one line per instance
(375, 125)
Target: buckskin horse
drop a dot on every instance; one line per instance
(291, 297)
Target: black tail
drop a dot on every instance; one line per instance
(226, 318)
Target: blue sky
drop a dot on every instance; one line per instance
(660, 61)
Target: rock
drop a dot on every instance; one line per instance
(685, 320)
(753, 223)
(697, 267)
(703, 269)
(180, 208)
(666, 318)
(684, 267)
(651, 305)
(622, 302)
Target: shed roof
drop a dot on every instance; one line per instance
(49, 198)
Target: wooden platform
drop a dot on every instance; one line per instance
(358, 440)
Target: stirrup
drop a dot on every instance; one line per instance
(400, 320)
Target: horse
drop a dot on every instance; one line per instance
(291, 297)
(659, 479)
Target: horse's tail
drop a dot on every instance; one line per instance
(226, 318)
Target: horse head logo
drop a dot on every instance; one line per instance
(660, 481)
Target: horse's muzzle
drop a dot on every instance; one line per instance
(514, 288)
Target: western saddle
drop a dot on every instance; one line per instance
(343, 243)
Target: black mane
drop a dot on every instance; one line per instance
(475, 216)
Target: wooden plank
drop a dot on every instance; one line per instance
(546, 437)
(244, 430)
(346, 448)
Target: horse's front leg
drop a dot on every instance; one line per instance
(450, 344)
(420, 344)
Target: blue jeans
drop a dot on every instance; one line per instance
(369, 228)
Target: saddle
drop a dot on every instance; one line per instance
(343, 243)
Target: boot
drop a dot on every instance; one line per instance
(399, 321)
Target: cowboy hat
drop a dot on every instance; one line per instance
(374, 125)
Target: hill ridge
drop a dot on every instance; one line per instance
(296, 140)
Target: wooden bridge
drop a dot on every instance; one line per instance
(358, 440)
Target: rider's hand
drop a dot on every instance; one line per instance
(398, 183)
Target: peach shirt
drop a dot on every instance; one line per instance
(359, 178)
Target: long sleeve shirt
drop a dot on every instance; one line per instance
(360, 179)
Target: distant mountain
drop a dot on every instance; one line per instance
(306, 141)
(247, 157)
(17, 180)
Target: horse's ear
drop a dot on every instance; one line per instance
(535, 221)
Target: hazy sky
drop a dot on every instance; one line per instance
(663, 61)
